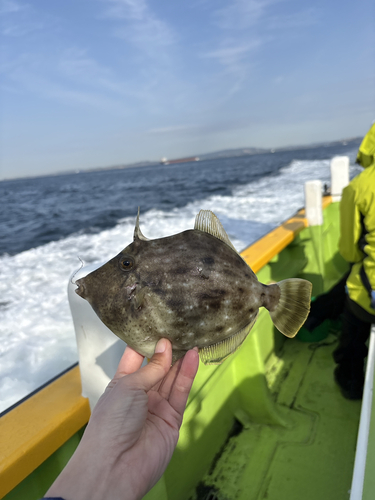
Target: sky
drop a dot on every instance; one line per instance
(94, 83)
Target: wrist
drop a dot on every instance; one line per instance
(89, 476)
(79, 480)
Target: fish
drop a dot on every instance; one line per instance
(192, 288)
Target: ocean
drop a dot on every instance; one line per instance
(48, 223)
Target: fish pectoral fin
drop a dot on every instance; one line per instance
(208, 222)
(215, 354)
(139, 298)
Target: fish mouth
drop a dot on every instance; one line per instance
(81, 288)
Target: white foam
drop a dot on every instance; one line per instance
(37, 336)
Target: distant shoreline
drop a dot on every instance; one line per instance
(227, 153)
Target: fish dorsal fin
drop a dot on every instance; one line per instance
(137, 231)
(208, 222)
(215, 354)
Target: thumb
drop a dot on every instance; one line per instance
(146, 377)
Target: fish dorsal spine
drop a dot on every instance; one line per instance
(137, 230)
(208, 222)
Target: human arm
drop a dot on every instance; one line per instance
(133, 430)
(350, 226)
(364, 160)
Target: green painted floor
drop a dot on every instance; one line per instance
(312, 457)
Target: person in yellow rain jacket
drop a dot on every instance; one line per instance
(357, 246)
(353, 297)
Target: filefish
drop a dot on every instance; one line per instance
(192, 288)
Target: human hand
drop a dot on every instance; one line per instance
(133, 429)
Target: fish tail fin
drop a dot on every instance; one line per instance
(293, 306)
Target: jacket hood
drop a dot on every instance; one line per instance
(366, 152)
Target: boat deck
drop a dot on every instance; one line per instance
(311, 456)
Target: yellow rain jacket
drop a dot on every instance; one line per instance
(357, 224)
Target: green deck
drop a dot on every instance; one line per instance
(312, 456)
(269, 423)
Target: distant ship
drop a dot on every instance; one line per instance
(165, 161)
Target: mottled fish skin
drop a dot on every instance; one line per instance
(191, 288)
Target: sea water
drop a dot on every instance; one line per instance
(48, 223)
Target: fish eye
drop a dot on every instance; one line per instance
(126, 263)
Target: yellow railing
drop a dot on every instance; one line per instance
(262, 251)
(35, 429)
(32, 431)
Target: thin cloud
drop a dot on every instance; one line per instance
(28, 73)
(231, 55)
(84, 71)
(235, 58)
(137, 24)
(239, 39)
(79, 67)
(243, 27)
(127, 9)
(18, 19)
(7, 6)
(241, 14)
(20, 29)
(173, 128)
(74, 77)
(301, 19)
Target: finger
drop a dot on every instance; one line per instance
(148, 376)
(130, 362)
(184, 380)
(164, 388)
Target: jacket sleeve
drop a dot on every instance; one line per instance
(350, 226)
(364, 160)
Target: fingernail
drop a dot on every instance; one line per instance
(160, 346)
